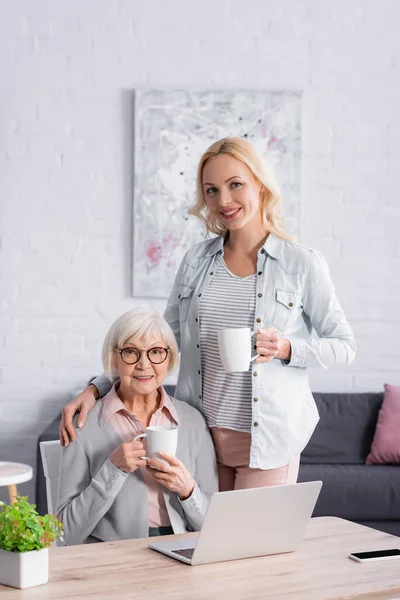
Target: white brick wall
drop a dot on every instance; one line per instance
(67, 75)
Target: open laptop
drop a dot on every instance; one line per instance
(247, 523)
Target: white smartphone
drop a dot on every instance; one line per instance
(375, 555)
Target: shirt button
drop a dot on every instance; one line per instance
(179, 295)
(197, 320)
(259, 273)
(260, 295)
(290, 304)
(255, 373)
(258, 320)
(198, 345)
(198, 372)
(199, 295)
(255, 424)
(212, 273)
(200, 397)
(255, 399)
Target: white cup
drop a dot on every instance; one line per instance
(235, 349)
(159, 439)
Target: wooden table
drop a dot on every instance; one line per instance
(319, 570)
(12, 473)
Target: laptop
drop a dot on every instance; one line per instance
(248, 523)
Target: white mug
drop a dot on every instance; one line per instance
(159, 438)
(235, 349)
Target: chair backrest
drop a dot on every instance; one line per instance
(51, 454)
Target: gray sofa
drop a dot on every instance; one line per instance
(336, 454)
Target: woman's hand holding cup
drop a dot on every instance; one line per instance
(129, 456)
(271, 345)
(171, 473)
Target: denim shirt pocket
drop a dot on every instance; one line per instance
(185, 294)
(287, 305)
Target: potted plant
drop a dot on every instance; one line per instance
(25, 537)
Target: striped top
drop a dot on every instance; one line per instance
(229, 301)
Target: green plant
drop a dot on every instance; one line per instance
(22, 529)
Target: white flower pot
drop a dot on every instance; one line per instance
(24, 569)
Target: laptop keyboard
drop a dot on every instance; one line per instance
(186, 552)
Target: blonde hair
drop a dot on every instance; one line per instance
(139, 323)
(242, 150)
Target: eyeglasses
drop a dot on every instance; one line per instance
(131, 356)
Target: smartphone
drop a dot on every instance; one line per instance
(375, 555)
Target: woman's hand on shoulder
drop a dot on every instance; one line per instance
(82, 403)
(271, 345)
(129, 456)
(172, 474)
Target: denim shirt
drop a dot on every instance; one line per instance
(294, 294)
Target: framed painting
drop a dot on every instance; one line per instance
(172, 130)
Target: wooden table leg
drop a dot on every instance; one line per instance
(12, 492)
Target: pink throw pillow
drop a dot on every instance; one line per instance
(385, 448)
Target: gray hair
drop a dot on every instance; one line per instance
(139, 323)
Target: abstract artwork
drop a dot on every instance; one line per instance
(172, 130)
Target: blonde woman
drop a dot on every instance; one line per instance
(250, 275)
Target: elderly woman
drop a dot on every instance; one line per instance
(107, 489)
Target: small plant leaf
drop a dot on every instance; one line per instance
(22, 529)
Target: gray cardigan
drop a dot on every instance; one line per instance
(99, 502)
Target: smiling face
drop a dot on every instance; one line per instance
(231, 192)
(143, 377)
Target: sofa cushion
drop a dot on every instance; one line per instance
(356, 492)
(385, 447)
(345, 431)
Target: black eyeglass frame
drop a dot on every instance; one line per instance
(167, 350)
